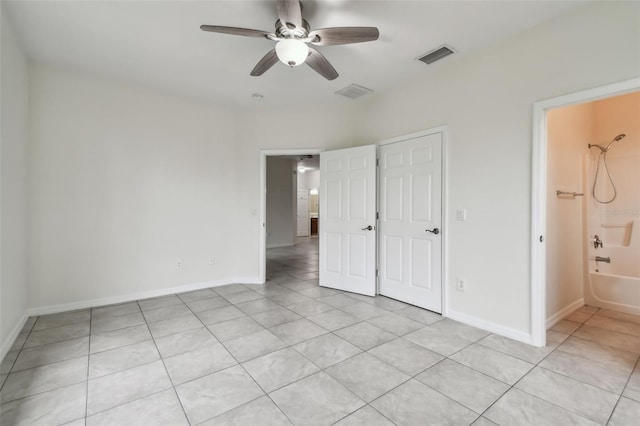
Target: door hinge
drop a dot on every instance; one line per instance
(377, 215)
(377, 162)
(376, 272)
(541, 238)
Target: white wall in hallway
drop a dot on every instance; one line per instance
(281, 202)
(13, 187)
(309, 179)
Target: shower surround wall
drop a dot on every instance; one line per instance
(572, 222)
(616, 285)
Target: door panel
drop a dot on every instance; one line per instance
(347, 208)
(411, 203)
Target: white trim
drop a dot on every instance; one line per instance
(444, 200)
(539, 190)
(92, 303)
(248, 280)
(281, 245)
(511, 333)
(264, 153)
(564, 312)
(431, 131)
(11, 339)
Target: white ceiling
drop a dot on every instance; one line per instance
(159, 43)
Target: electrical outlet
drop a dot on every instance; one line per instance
(179, 264)
(461, 284)
(212, 260)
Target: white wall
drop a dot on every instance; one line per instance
(281, 202)
(569, 132)
(309, 179)
(13, 190)
(486, 101)
(124, 183)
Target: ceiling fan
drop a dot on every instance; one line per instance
(293, 36)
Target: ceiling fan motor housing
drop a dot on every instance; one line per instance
(283, 31)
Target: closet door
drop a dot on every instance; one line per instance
(348, 220)
(410, 221)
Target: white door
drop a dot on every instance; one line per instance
(348, 213)
(410, 221)
(304, 222)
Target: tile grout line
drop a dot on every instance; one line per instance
(535, 396)
(237, 364)
(623, 389)
(173, 386)
(86, 398)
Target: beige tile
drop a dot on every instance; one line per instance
(580, 398)
(464, 385)
(412, 402)
(217, 393)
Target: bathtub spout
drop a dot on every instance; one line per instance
(603, 259)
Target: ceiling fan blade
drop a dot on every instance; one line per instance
(265, 63)
(321, 65)
(290, 13)
(237, 31)
(343, 35)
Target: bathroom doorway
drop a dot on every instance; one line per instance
(572, 136)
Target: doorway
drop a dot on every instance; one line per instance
(541, 191)
(278, 209)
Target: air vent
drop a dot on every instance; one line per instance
(436, 55)
(354, 91)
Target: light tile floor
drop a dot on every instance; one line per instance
(292, 352)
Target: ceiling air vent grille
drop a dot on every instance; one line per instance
(354, 91)
(436, 55)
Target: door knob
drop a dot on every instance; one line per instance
(368, 228)
(433, 231)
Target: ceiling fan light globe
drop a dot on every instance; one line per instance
(292, 52)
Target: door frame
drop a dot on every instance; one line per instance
(264, 153)
(539, 191)
(444, 261)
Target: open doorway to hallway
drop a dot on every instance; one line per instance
(291, 216)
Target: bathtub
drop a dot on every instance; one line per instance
(615, 292)
(616, 285)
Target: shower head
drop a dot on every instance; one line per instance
(616, 139)
(606, 148)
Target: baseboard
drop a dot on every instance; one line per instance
(248, 280)
(564, 312)
(511, 333)
(92, 303)
(269, 246)
(8, 343)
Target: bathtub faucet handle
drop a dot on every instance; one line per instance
(597, 242)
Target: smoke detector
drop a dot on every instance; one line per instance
(437, 54)
(354, 91)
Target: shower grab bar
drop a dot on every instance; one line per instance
(572, 194)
